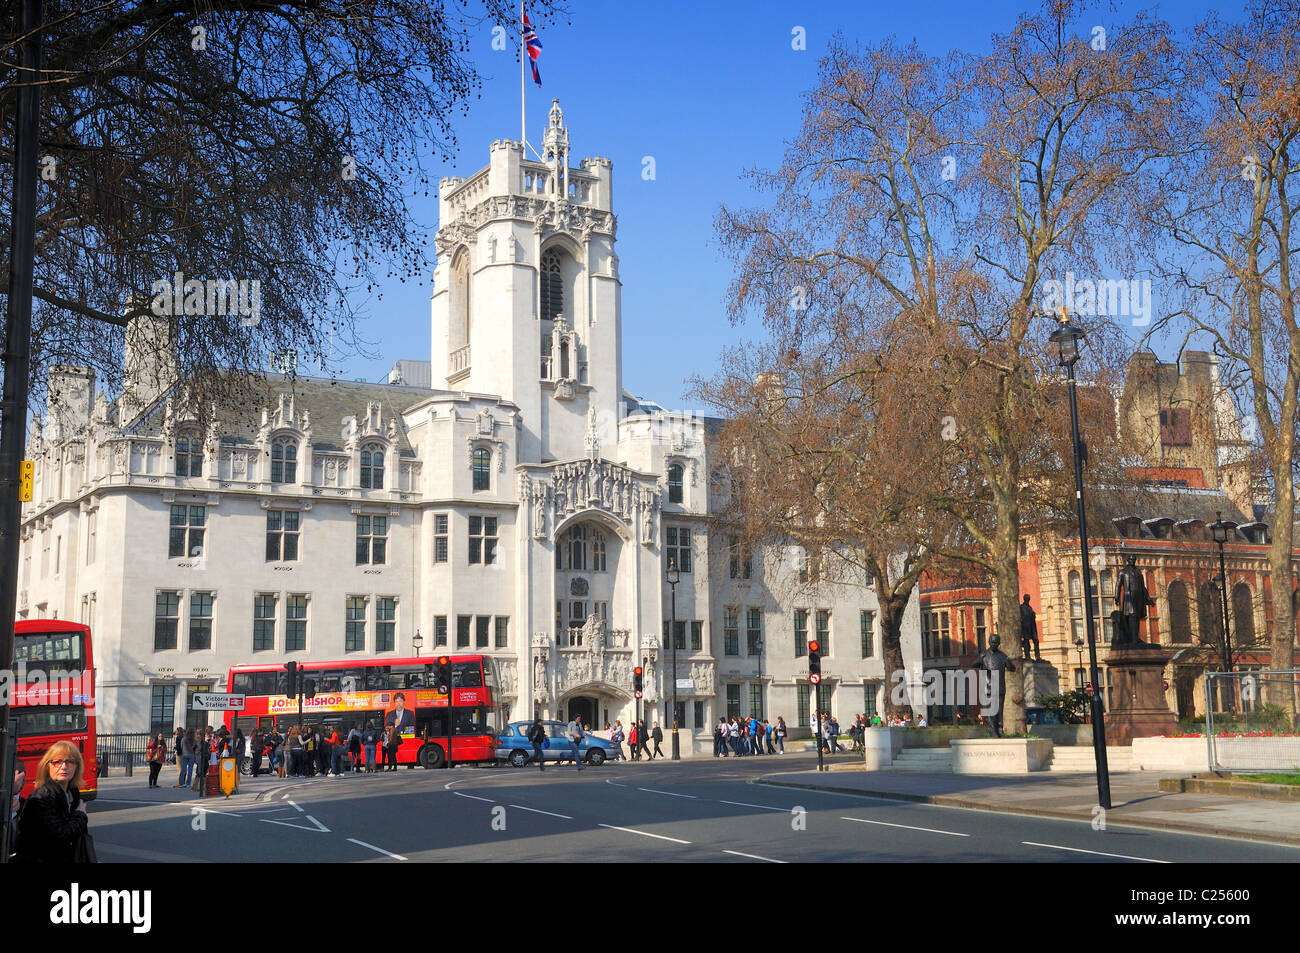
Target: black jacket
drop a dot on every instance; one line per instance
(657, 734)
(49, 830)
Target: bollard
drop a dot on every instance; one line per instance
(130, 763)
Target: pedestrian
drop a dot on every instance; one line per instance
(354, 746)
(733, 735)
(369, 739)
(394, 742)
(576, 736)
(616, 736)
(537, 738)
(293, 745)
(633, 740)
(643, 738)
(658, 736)
(768, 731)
(337, 753)
(719, 738)
(241, 748)
(53, 824)
(188, 748)
(833, 732)
(257, 746)
(177, 737)
(155, 753)
(780, 733)
(755, 735)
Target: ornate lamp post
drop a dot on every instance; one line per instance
(1067, 339)
(1219, 530)
(417, 643)
(674, 577)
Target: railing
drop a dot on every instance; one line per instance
(458, 361)
(123, 750)
(1247, 723)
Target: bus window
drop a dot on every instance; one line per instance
(472, 721)
(39, 649)
(329, 680)
(50, 719)
(263, 683)
(376, 679)
(242, 683)
(431, 723)
(466, 674)
(406, 676)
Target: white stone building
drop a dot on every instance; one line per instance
(524, 505)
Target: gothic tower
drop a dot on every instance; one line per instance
(526, 301)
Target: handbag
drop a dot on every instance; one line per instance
(83, 851)
(546, 742)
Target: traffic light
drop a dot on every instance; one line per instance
(442, 674)
(291, 685)
(638, 684)
(309, 688)
(814, 662)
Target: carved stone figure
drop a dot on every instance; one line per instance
(539, 515)
(995, 662)
(539, 673)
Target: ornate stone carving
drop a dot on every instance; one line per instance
(508, 673)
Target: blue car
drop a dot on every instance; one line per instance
(514, 748)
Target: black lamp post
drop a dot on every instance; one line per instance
(1067, 338)
(417, 643)
(674, 577)
(1219, 530)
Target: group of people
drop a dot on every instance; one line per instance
(194, 751)
(748, 736)
(639, 739)
(308, 751)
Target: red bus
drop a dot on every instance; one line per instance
(54, 694)
(354, 691)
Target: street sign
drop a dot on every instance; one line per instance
(211, 702)
(26, 476)
(815, 678)
(686, 684)
(228, 776)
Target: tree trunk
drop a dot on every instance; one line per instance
(1007, 580)
(891, 643)
(1282, 636)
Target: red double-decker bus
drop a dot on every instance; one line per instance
(356, 691)
(54, 694)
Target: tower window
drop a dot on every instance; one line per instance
(372, 468)
(552, 286)
(675, 483)
(482, 469)
(284, 461)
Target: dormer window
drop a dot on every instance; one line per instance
(372, 468)
(482, 467)
(284, 461)
(189, 455)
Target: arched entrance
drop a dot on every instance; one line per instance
(586, 707)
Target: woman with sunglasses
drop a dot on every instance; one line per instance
(54, 820)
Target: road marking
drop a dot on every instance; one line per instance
(536, 811)
(295, 805)
(630, 830)
(755, 857)
(447, 786)
(762, 806)
(1099, 853)
(929, 830)
(615, 783)
(379, 850)
(475, 797)
(669, 793)
(307, 817)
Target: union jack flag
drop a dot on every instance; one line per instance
(534, 47)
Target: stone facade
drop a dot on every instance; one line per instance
(524, 505)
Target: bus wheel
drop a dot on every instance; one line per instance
(431, 756)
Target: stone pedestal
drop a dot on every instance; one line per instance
(1000, 755)
(879, 745)
(1042, 678)
(1139, 711)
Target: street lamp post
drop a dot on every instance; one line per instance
(1067, 338)
(417, 643)
(674, 577)
(1219, 530)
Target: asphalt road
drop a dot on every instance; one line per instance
(693, 811)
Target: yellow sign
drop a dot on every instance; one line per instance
(26, 475)
(228, 776)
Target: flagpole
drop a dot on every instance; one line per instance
(523, 83)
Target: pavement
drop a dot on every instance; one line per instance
(1136, 800)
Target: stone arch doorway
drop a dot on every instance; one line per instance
(587, 707)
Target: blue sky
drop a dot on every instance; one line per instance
(709, 90)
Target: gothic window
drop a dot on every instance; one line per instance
(459, 330)
(598, 560)
(482, 469)
(552, 286)
(1243, 616)
(675, 483)
(189, 455)
(284, 461)
(372, 467)
(577, 541)
(1180, 617)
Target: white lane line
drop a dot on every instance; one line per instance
(379, 850)
(669, 793)
(1080, 850)
(447, 786)
(295, 805)
(755, 857)
(630, 830)
(615, 783)
(761, 806)
(929, 830)
(306, 817)
(474, 797)
(536, 811)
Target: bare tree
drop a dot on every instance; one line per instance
(233, 140)
(1225, 209)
